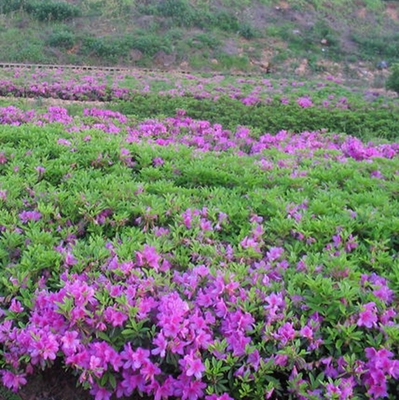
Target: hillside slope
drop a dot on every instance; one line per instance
(285, 36)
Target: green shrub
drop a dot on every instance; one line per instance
(383, 123)
(182, 13)
(378, 46)
(61, 39)
(52, 11)
(171, 8)
(106, 48)
(247, 31)
(10, 6)
(392, 82)
(205, 40)
(150, 44)
(226, 21)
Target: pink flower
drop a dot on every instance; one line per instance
(187, 217)
(158, 161)
(161, 345)
(70, 259)
(285, 333)
(148, 256)
(70, 341)
(100, 393)
(44, 347)
(13, 381)
(134, 359)
(193, 365)
(16, 306)
(3, 158)
(224, 396)
(26, 216)
(64, 142)
(149, 370)
(368, 317)
(193, 390)
(115, 317)
(306, 332)
(304, 102)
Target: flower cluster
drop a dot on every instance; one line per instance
(203, 135)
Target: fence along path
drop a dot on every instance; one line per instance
(122, 69)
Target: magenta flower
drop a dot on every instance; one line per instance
(100, 393)
(285, 333)
(368, 316)
(115, 317)
(148, 256)
(306, 332)
(3, 158)
(149, 370)
(224, 396)
(26, 216)
(64, 142)
(192, 390)
(158, 161)
(70, 342)
(134, 359)
(44, 347)
(40, 170)
(192, 365)
(16, 306)
(161, 345)
(70, 259)
(304, 102)
(13, 381)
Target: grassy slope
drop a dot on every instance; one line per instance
(215, 34)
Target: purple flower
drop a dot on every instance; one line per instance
(70, 341)
(44, 347)
(100, 393)
(16, 306)
(192, 365)
(158, 161)
(192, 390)
(368, 316)
(148, 256)
(3, 158)
(26, 216)
(64, 142)
(304, 102)
(114, 317)
(285, 333)
(13, 381)
(134, 359)
(40, 170)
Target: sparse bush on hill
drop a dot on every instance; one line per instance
(393, 80)
(10, 6)
(374, 45)
(51, 11)
(106, 48)
(61, 39)
(150, 44)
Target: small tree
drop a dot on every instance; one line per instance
(392, 82)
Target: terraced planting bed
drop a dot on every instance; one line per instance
(217, 238)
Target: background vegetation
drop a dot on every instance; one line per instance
(203, 35)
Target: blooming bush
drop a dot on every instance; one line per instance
(175, 258)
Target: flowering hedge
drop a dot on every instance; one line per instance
(177, 259)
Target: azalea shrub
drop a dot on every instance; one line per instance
(175, 258)
(266, 105)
